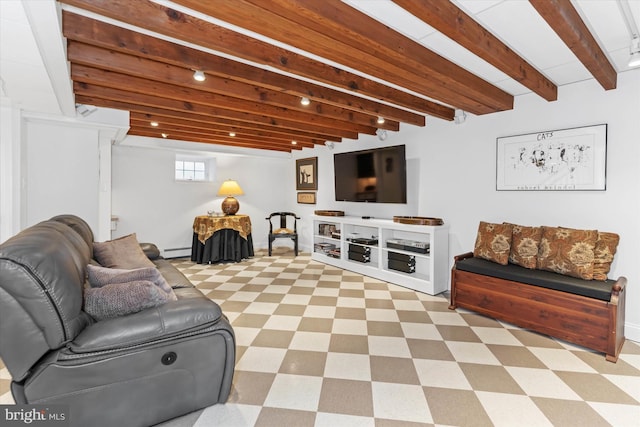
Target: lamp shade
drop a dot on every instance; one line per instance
(230, 188)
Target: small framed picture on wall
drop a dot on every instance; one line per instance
(307, 174)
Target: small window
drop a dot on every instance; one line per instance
(194, 170)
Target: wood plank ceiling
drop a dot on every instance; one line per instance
(140, 56)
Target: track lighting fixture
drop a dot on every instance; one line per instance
(459, 117)
(634, 59)
(380, 120)
(329, 145)
(630, 22)
(199, 76)
(305, 101)
(164, 135)
(382, 134)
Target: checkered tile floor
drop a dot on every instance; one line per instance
(319, 346)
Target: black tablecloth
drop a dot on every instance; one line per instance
(224, 246)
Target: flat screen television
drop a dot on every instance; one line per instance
(374, 175)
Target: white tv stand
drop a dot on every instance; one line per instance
(431, 269)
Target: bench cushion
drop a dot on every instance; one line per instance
(589, 288)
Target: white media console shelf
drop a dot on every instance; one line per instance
(332, 241)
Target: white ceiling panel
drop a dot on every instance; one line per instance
(393, 16)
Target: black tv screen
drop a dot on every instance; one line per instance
(375, 175)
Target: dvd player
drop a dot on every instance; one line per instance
(409, 245)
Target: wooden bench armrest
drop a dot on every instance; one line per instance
(462, 256)
(617, 288)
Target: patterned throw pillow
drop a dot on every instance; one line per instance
(120, 299)
(124, 252)
(102, 276)
(493, 242)
(604, 251)
(567, 251)
(524, 246)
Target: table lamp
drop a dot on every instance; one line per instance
(230, 188)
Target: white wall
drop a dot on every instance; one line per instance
(457, 174)
(149, 202)
(62, 172)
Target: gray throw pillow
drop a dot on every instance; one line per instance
(119, 299)
(124, 252)
(101, 276)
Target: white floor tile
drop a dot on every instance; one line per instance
(349, 327)
(310, 341)
(229, 415)
(618, 415)
(400, 402)
(245, 336)
(382, 315)
(295, 392)
(348, 366)
(296, 299)
(388, 346)
(496, 336)
(244, 296)
(282, 323)
(441, 373)
(447, 318)
(261, 359)
(561, 360)
(469, 352)
(324, 419)
(508, 410)
(542, 383)
(628, 384)
(320, 311)
(261, 308)
(350, 302)
(408, 305)
(424, 331)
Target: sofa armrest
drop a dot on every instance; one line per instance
(147, 326)
(150, 250)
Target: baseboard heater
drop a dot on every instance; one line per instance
(177, 252)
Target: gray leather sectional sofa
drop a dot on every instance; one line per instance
(134, 370)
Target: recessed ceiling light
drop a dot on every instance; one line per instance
(294, 142)
(305, 101)
(232, 134)
(154, 124)
(380, 120)
(198, 75)
(164, 135)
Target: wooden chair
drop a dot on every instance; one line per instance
(283, 231)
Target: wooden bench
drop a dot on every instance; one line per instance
(590, 314)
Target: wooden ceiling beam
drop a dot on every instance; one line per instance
(338, 32)
(90, 61)
(143, 87)
(208, 126)
(100, 34)
(447, 18)
(565, 20)
(171, 127)
(216, 141)
(162, 114)
(129, 101)
(187, 133)
(155, 17)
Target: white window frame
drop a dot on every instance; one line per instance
(198, 168)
